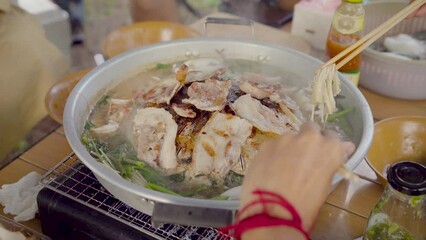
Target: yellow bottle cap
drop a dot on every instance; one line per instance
(353, 1)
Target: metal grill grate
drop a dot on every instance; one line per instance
(74, 180)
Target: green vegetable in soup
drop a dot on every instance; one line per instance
(346, 127)
(160, 188)
(120, 155)
(160, 66)
(339, 114)
(340, 119)
(178, 177)
(220, 197)
(104, 100)
(199, 189)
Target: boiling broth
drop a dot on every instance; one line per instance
(109, 133)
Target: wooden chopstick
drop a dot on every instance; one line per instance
(350, 52)
(379, 30)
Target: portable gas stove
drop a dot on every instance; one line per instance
(74, 205)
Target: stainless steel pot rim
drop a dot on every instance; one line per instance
(102, 171)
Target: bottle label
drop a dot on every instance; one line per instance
(348, 24)
(352, 76)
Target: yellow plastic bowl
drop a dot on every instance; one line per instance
(144, 33)
(397, 139)
(58, 94)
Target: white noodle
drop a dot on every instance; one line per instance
(325, 87)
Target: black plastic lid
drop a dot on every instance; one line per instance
(408, 178)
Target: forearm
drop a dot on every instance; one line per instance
(269, 216)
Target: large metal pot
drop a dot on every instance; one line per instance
(193, 211)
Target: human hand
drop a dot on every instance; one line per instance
(300, 168)
(419, 12)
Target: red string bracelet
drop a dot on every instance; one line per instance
(262, 219)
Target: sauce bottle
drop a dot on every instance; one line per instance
(346, 27)
(400, 213)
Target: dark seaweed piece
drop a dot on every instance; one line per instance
(178, 177)
(180, 95)
(233, 179)
(234, 93)
(228, 110)
(267, 102)
(201, 120)
(186, 161)
(346, 127)
(104, 100)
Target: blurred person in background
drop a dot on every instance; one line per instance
(167, 10)
(184, 11)
(158, 10)
(29, 66)
(75, 9)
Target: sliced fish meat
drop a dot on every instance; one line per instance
(218, 146)
(154, 132)
(210, 95)
(119, 108)
(158, 90)
(198, 69)
(262, 117)
(256, 85)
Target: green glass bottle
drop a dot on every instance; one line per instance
(400, 214)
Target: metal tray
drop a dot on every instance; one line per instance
(74, 180)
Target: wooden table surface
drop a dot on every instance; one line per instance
(343, 216)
